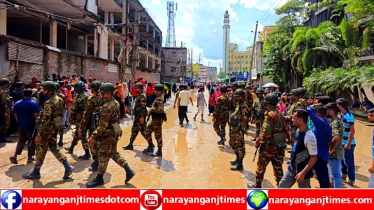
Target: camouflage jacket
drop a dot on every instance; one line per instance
(79, 107)
(249, 99)
(231, 98)
(4, 102)
(35, 95)
(258, 110)
(109, 115)
(272, 124)
(52, 108)
(239, 119)
(158, 107)
(296, 105)
(337, 128)
(140, 106)
(304, 101)
(93, 106)
(63, 97)
(222, 105)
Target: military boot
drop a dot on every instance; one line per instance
(257, 186)
(129, 173)
(130, 146)
(34, 174)
(234, 162)
(158, 153)
(68, 169)
(94, 166)
(222, 141)
(60, 143)
(238, 166)
(149, 149)
(86, 156)
(99, 180)
(70, 149)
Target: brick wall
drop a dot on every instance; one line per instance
(149, 77)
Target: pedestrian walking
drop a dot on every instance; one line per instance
(201, 104)
(183, 101)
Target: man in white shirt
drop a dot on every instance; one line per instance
(303, 156)
(183, 101)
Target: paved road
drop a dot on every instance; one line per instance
(191, 159)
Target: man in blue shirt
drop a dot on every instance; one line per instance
(323, 133)
(349, 143)
(371, 169)
(26, 111)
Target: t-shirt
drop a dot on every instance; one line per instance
(185, 96)
(373, 146)
(337, 130)
(25, 110)
(348, 120)
(200, 99)
(310, 142)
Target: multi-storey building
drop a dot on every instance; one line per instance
(239, 60)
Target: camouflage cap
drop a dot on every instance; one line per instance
(159, 87)
(239, 92)
(79, 85)
(49, 85)
(107, 88)
(95, 85)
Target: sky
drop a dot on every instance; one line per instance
(198, 23)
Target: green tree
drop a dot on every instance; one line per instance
(221, 74)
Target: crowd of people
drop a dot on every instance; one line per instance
(320, 131)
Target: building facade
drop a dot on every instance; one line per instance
(226, 41)
(174, 65)
(238, 60)
(79, 31)
(212, 74)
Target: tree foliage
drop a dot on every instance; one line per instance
(221, 74)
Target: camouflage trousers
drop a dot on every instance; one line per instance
(156, 127)
(136, 127)
(81, 137)
(220, 126)
(4, 125)
(237, 143)
(94, 150)
(292, 135)
(49, 140)
(107, 149)
(269, 154)
(258, 127)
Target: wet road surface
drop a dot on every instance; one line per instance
(191, 159)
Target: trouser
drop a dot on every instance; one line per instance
(348, 164)
(81, 137)
(67, 116)
(94, 150)
(288, 180)
(23, 138)
(49, 140)
(269, 154)
(12, 125)
(183, 114)
(371, 182)
(156, 127)
(108, 150)
(335, 166)
(220, 126)
(322, 173)
(237, 144)
(136, 127)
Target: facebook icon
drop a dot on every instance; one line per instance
(11, 199)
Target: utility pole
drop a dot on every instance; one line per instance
(199, 62)
(124, 40)
(191, 63)
(253, 52)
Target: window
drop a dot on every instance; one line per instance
(246, 56)
(246, 62)
(173, 54)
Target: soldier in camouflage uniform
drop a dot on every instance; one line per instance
(221, 115)
(249, 100)
(230, 95)
(4, 110)
(63, 98)
(92, 111)
(302, 97)
(140, 115)
(77, 110)
(270, 151)
(297, 104)
(49, 122)
(155, 125)
(238, 123)
(258, 110)
(107, 136)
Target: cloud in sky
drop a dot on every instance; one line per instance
(198, 24)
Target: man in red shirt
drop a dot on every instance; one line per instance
(133, 91)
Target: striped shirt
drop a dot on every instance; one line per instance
(348, 120)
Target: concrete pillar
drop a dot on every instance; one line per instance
(53, 34)
(3, 17)
(147, 26)
(106, 17)
(86, 45)
(153, 63)
(146, 61)
(104, 42)
(112, 18)
(96, 42)
(111, 50)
